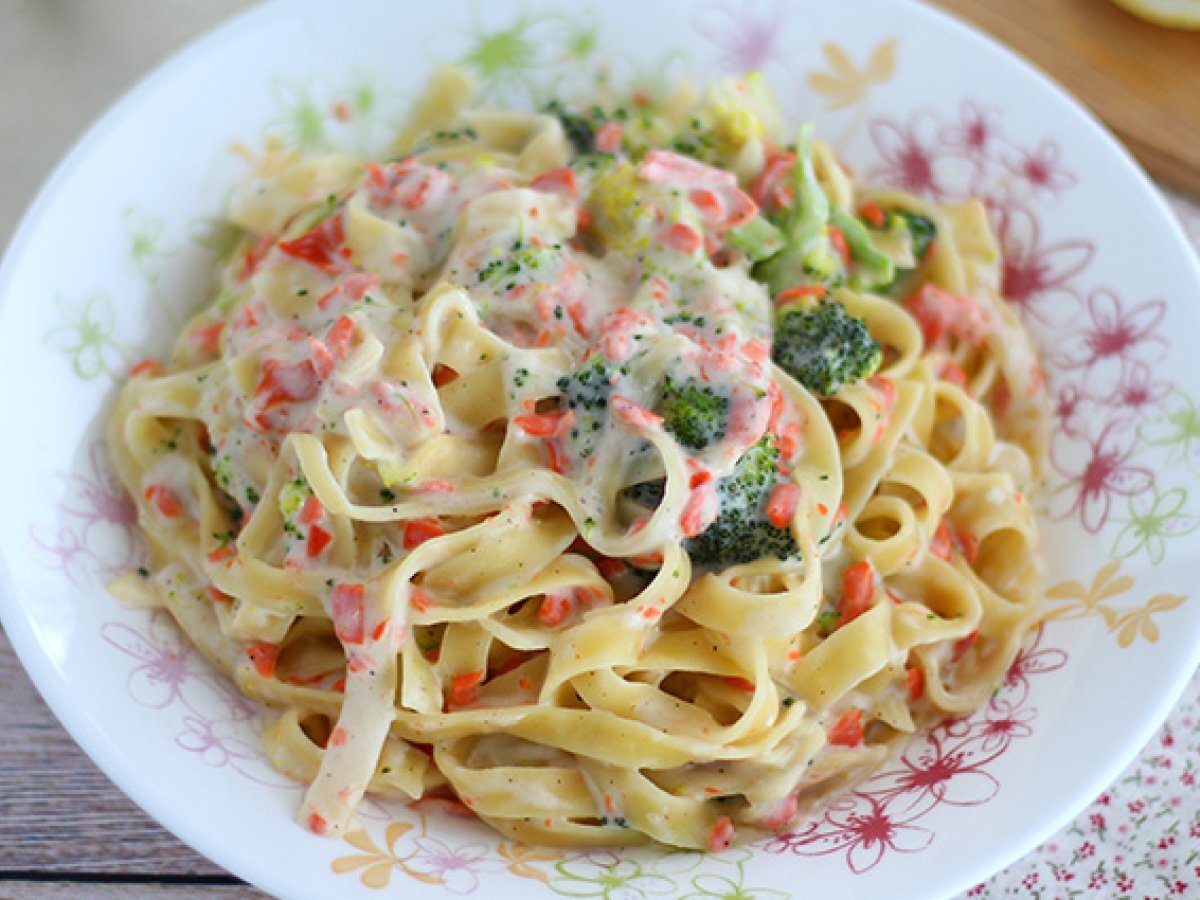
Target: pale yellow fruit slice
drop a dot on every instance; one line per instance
(1172, 13)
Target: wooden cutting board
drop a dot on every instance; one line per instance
(1142, 80)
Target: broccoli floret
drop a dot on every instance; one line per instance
(579, 128)
(806, 255)
(589, 388)
(824, 347)
(922, 229)
(742, 532)
(693, 412)
(587, 392)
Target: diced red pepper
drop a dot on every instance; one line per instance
(442, 375)
(339, 337)
(421, 601)
(962, 645)
(321, 246)
(464, 689)
(632, 414)
(799, 292)
(554, 609)
(721, 836)
(223, 553)
(770, 189)
(542, 424)
(847, 731)
(858, 589)
(557, 181)
(318, 540)
(941, 545)
(263, 656)
(312, 510)
(781, 505)
(681, 237)
(873, 215)
(914, 682)
(838, 241)
(164, 500)
(933, 309)
(208, 338)
(322, 359)
(146, 367)
(418, 531)
(608, 137)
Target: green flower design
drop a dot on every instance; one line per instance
(146, 251)
(580, 39)
(215, 234)
(718, 887)
(1151, 519)
(86, 336)
(364, 97)
(300, 119)
(503, 59)
(609, 877)
(1180, 431)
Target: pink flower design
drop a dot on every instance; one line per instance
(1041, 169)
(62, 550)
(747, 39)
(1035, 273)
(1136, 392)
(97, 496)
(910, 161)
(999, 731)
(1031, 660)
(974, 133)
(946, 766)
(166, 662)
(864, 833)
(937, 771)
(1069, 405)
(1104, 473)
(458, 868)
(215, 742)
(1113, 338)
(101, 537)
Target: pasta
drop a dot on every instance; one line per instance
(622, 473)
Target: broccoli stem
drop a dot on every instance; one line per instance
(758, 239)
(878, 266)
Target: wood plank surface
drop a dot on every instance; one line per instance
(1141, 79)
(34, 890)
(60, 816)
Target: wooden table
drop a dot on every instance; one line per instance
(65, 830)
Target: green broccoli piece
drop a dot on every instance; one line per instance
(922, 228)
(758, 239)
(806, 254)
(587, 392)
(878, 267)
(580, 128)
(693, 412)
(824, 347)
(589, 388)
(742, 532)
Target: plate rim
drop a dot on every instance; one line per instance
(97, 744)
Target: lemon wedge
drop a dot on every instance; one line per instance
(1172, 13)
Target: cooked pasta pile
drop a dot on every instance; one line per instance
(623, 472)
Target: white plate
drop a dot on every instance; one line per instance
(115, 249)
